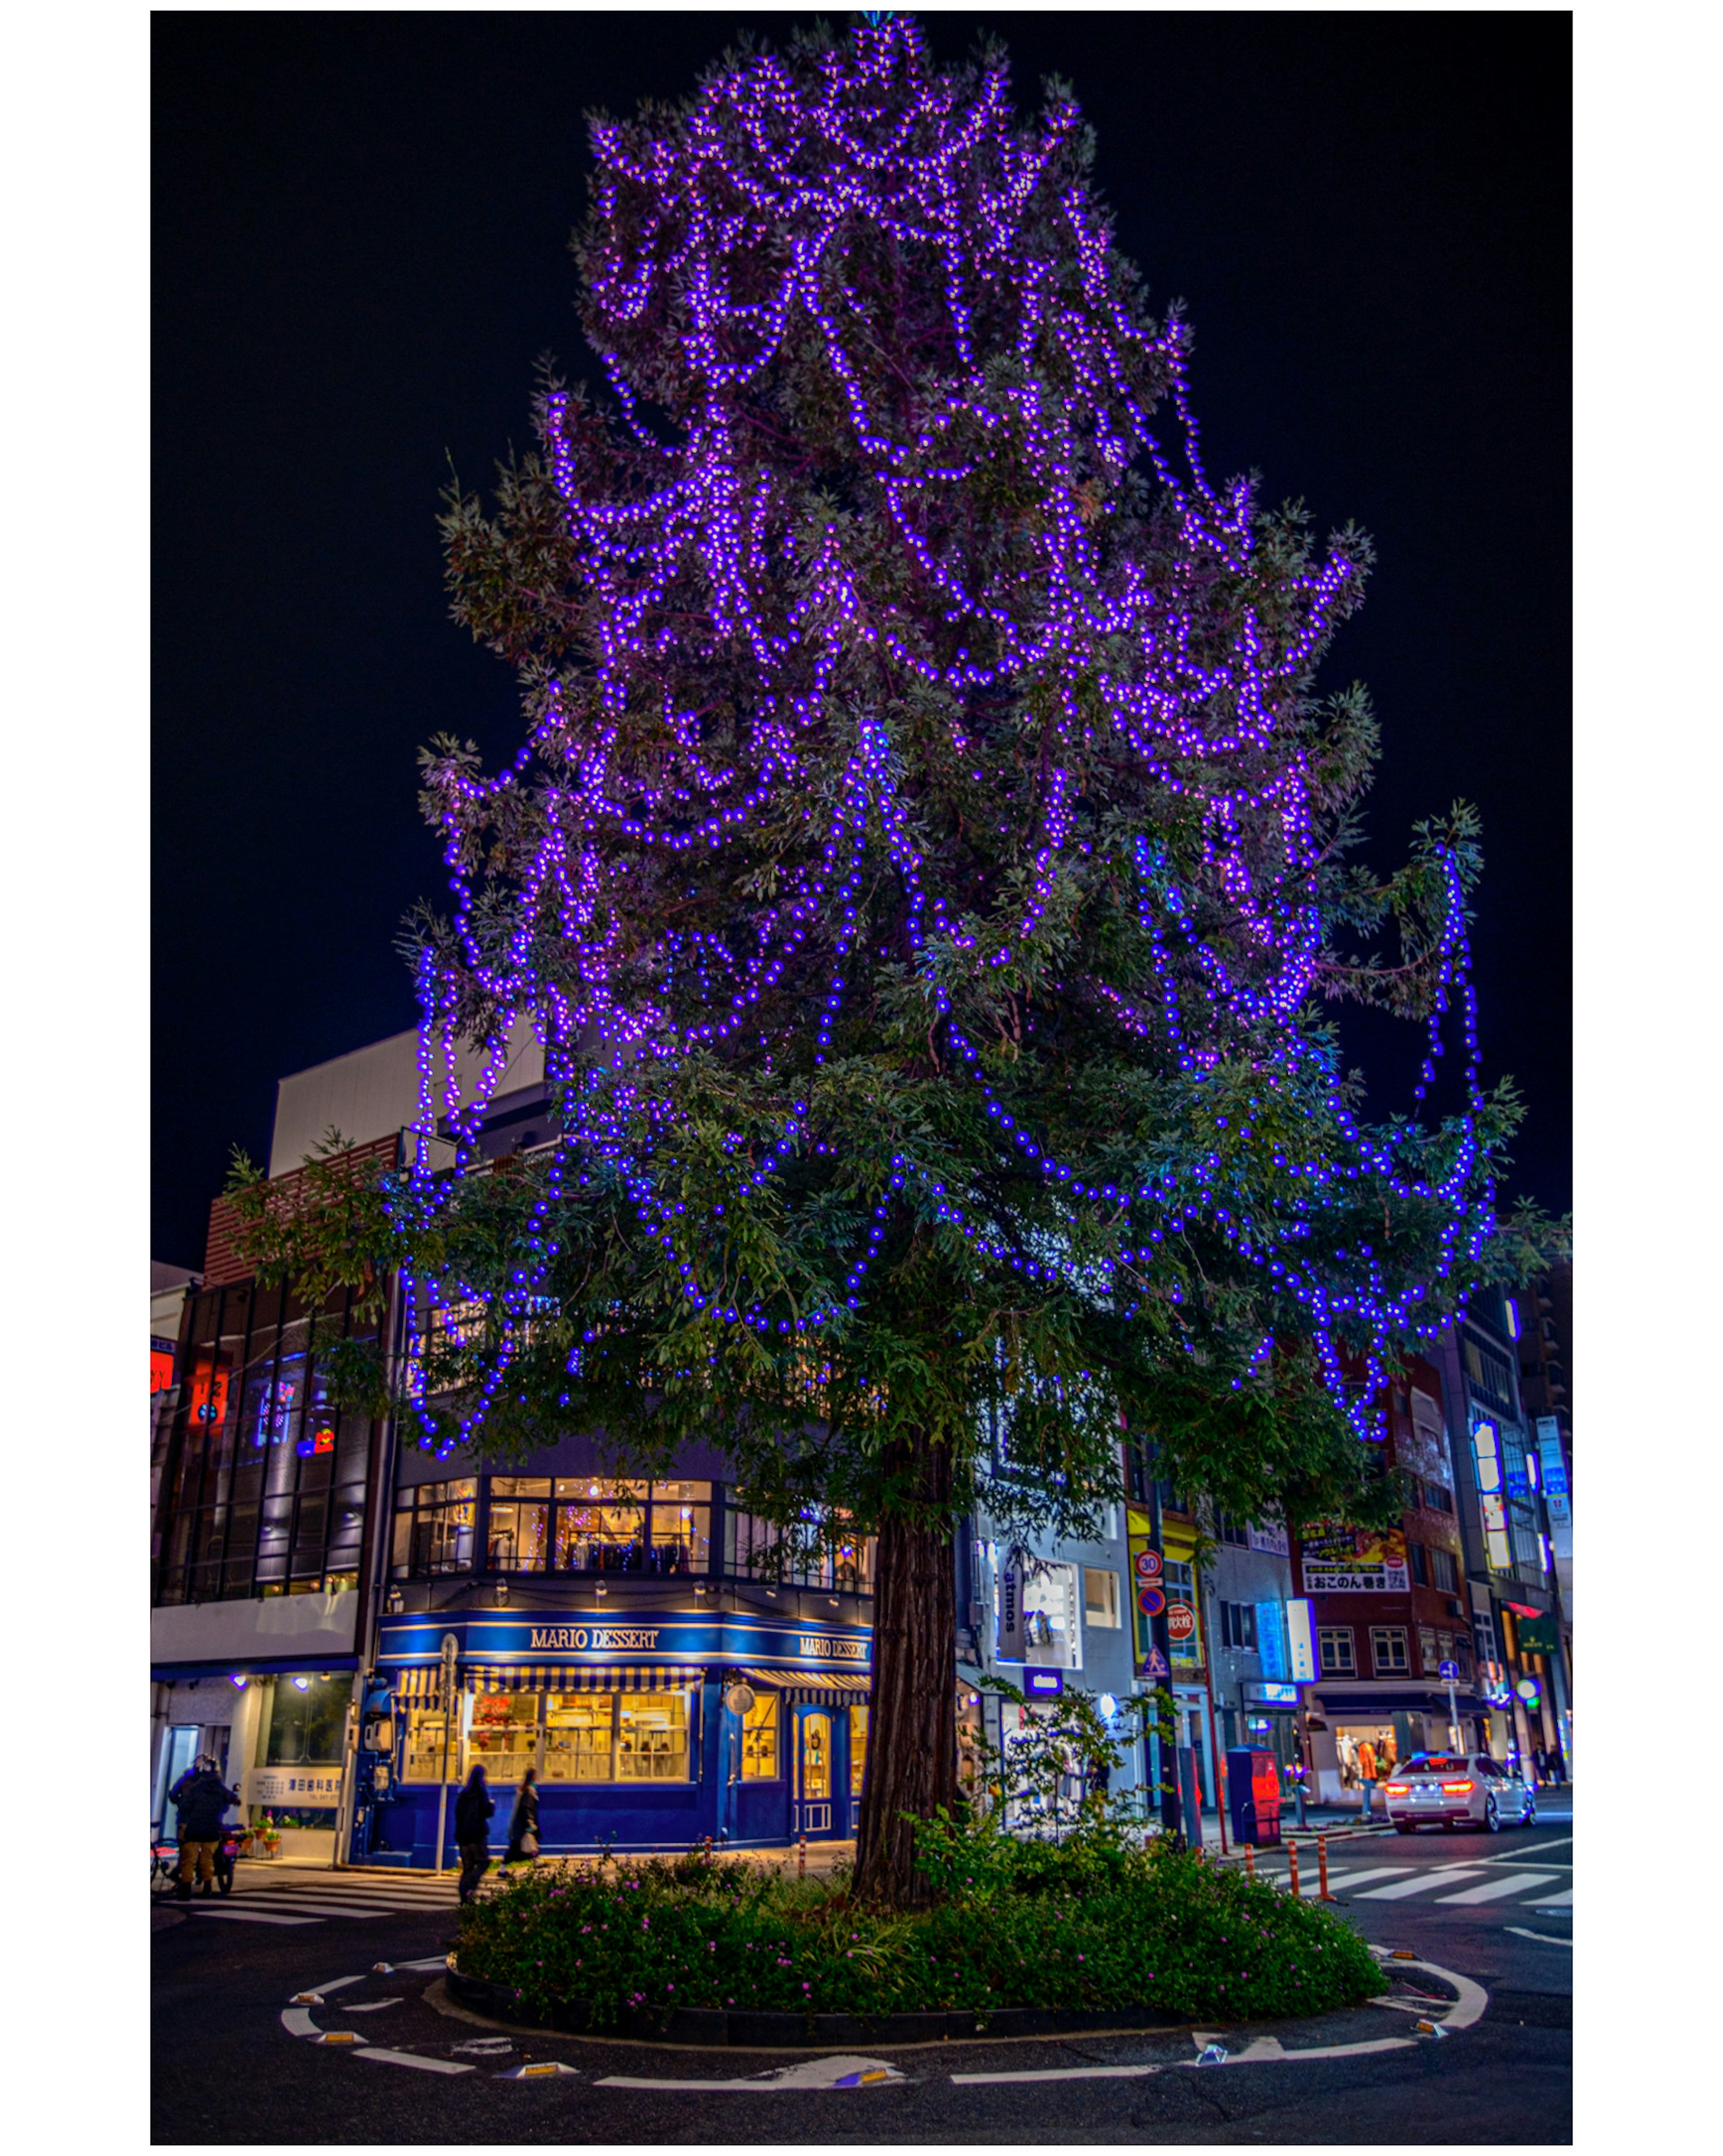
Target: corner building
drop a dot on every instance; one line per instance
(618, 1636)
(371, 1623)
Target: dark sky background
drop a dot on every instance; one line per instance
(361, 228)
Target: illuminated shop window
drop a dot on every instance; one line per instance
(759, 1739)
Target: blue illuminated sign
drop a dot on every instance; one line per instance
(1043, 1684)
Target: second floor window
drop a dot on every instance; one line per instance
(1238, 1624)
(1334, 1644)
(1388, 1649)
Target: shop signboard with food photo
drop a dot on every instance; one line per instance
(1337, 1559)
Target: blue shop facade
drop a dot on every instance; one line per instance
(630, 1642)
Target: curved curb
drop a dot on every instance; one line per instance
(715, 2028)
(1466, 2008)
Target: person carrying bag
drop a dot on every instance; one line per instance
(523, 1825)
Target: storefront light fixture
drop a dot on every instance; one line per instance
(302, 1683)
(237, 1679)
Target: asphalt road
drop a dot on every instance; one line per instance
(227, 2069)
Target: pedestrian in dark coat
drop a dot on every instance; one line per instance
(199, 1798)
(473, 1810)
(523, 1822)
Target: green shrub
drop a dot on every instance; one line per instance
(1019, 1923)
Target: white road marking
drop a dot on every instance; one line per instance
(341, 1908)
(1556, 1901)
(842, 2071)
(257, 1917)
(370, 2006)
(1549, 1938)
(1535, 1848)
(1424, 1883)
(434, 1961)
(1378, 1871)
(297, 2021)
(1493, 1890)
(407, 2059)
(1061, 2074)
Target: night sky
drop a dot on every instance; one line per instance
(361, 228)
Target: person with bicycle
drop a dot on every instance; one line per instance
(199, 1798)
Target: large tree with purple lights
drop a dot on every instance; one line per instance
(927, 867)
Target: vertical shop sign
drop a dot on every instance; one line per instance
(1301, 1640)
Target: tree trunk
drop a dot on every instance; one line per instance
(912, 1730)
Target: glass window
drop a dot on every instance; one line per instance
(858, 1747)
(435, 1528)
(1181, 1582)
(759, 1739)
(1418, 1562)
(502, 1734)
(516, 1537)
(1334, 1643)
(308, 1716)
(520, 1486)
(681, 1526)
(1388, 1649)
(1101, 1598)
(421, 1758)
(1429, 1653)
(652, 1736)
(1238, 1624)
(603, 1529)
(1442, 1572)
(821, 1550)
(578, 1729)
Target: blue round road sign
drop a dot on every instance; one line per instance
(1151, 1601)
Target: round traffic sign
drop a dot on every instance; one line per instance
(1148, 1564)
(1151, 1600)
(1181, 1621)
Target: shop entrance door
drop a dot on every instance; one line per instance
(177, 1754)
(813, 1776)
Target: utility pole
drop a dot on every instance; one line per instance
(451, 1649)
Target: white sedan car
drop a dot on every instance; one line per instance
(1457, 1789)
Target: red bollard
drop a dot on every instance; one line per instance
(1322, 1892)
(1249, 1861)
(1292, 1861)
(801, 1859)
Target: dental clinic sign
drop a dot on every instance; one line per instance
(315, 1787)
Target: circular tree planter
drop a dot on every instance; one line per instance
(763, 2031)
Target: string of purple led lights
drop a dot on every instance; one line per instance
(726, 241)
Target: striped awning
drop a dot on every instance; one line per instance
(568, 1677)
(420, 1683)
(814, 1684)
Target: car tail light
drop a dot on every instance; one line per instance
(1399, 1789)
(1457, 1788)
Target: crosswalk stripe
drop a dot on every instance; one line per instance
(363, 1909)
(1557, 1901)
(256, 1916)
(1425, 1882)
(1307, 1879)
(1493, 1890)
